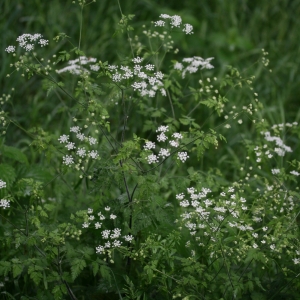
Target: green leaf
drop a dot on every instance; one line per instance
(5, 268)
(77, 266)
(13, 153)
(8, 173)
(17, 267)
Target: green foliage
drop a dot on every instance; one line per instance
(125, 174)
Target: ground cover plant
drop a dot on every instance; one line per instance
(150, 176)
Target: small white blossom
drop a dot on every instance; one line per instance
(63, 138)
(112, 216)
(4, 203)
(107, 208)
(92, 140)
(152, 158)
(2, 184)
(295, 173)
(182, 156)
(70, 146)
(98, 225)
(68, 160)
(100, 249)
(149, 145)
(128, 238)
(10, 49)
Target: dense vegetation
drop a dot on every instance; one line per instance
(149, 150)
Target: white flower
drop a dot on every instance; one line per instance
(164, 153)
(92, 140)
(93, 154)
(178, 66)
(90, 211)
(128, 238)
(177, 135)
(275, 171)
(149, 145)
(63, 138)
(182, 156)
(4, 203)
(162, 128)
(116, 233)
(81, 152)
(180, 196)
(75, 129)
(107, 208)
(159, 23)
(137, 60)
(100, 249)
(176, 21)
(162, 137)
(2, 184)
(254, 246)
(174, 144)
(85, 225)
(105, 234)
(295, 173)
(152, 158)
(80, 136)
(188, 29)
(98, 225)
(112, 216)
(296, 261)
(68, 160)
(70, 146)
(10, 49)
(116, 243)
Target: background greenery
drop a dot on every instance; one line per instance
(234, 32)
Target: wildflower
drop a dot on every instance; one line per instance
(182, 156)
(188, 29)
(92, 140)
(4, 203)
(81, 152)
(137, 60)
(159, 23)
(152, 158)
(68, 160)
(162, 128)
(10, 49)
(85, 225)
(105, 234)
(63, 138)
(100, 249)
(2, 184)
(90, 211)
(116, 243)
(177, 135)
(296, 261)
(174, 144)
(70, 146)
(128, 238)
(149, 145)
(295, 173)
(164, 153)
(98, 225)
(93, 154)
(275, 171)
(112, 216)
(75, 129)
(107, 208)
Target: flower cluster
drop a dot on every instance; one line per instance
(27, 42)
(76, 65)
(2, 184)
(3, 202)
(110, 238)
(79, 153)
(147, 82)
(165, 152)
(194, 63)
(174, 21)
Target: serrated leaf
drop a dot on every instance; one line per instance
(95, 267)
(8, 173)
(14, 153)
(5, 267)
(77, 266)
